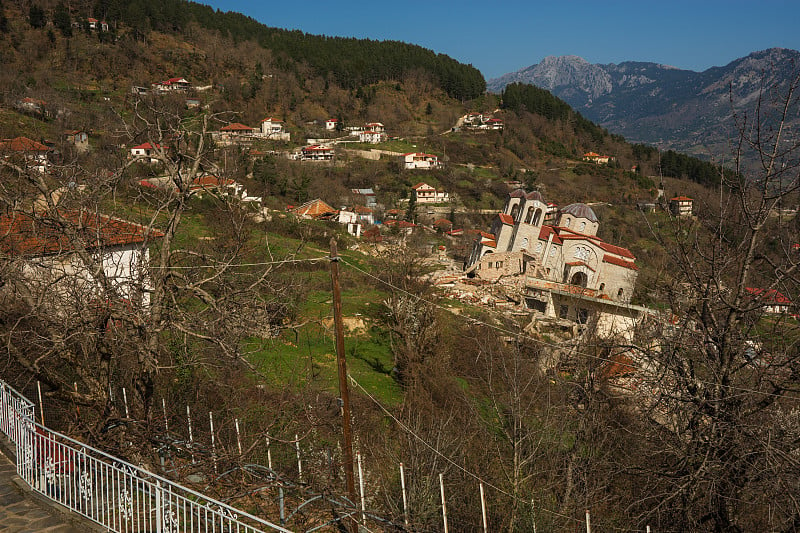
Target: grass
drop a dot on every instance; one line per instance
(306, 357)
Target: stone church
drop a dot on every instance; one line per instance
(556, 251)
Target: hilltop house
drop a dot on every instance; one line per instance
(365, 196)
(330, 124)
(425, 194)
(371, 136)
(234, 133)
(414, 160)
(316, 152)
(681, 206)
(147, 152)
(274, 129)
(172, 85)
(771, 300)
(25, 152)
(597, 159)
(478, 121)
(58, 258)
(568, 271)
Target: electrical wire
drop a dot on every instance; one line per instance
(544, 342)
(243, 265)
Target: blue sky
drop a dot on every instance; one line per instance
(503, 36)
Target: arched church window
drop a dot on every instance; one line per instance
(525, 243)
(619, 292)
(539, 247)
(566, 222)
(529, 216)
(537, 218)
(582, 227)
(515, 211)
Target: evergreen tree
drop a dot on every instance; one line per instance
(36, 17)
(3, 20)
(62, 19)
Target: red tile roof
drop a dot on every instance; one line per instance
(236, 127)
(681, 199)
(314, 208)
(147, 146)
(22, 144)
(619, 262)
(769, 295)
(545, 232)
(210, 182)
(618, 250)
(24, 235)
(422, 185)
(579, 263)
(506, 219)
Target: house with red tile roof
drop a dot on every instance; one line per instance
(59, 257)
(371, 136)
(426, 194)
(172, 85)
(418, 160)
(26, 153)
(770, 300)
(597, 159)
(681, 206)
(316, 152)
(147, 152)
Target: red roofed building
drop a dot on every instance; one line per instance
(414, 160)
(57, 255)
(681, 206)
(147, 151)
(425, 194)
(771, 300)
(316, 152)
(172, 85)
(25, 152)
(567, 254)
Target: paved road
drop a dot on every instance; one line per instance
(22, 512)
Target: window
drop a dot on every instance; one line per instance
(553, 251)
(583, 316)
(529, 217)
(525, 243)
(620, 292)
(582, 226)
(582, 253)
(515, 211)
(563, 311)
(602, 286)
(539, 247)
(566, 222)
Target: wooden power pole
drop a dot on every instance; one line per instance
(344, 393)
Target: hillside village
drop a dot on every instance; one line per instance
(519, 285)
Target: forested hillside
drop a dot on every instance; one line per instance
(686, 421)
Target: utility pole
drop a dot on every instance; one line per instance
(344, 393)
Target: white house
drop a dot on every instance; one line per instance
(330, 124)
(413, 160)
(316, 152)
(147, 152)
(275, 129)
(371, 136)
(425, 194)
(681, 206)
(58, 260)
(172, 85)
(376, 127)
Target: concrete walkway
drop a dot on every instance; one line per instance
(24, 511)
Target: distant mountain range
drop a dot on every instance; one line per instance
(658, 104)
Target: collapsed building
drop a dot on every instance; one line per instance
(558, 266)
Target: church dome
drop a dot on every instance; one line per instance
(535, 195)
(519, 193)
(580, 211)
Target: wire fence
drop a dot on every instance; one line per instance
(109, 491)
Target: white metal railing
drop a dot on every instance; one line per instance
(117, 495)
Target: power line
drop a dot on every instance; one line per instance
(544, 342)
(243, 265)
